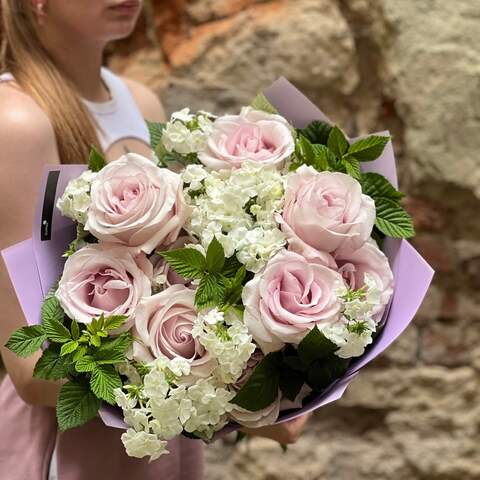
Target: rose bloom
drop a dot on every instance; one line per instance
(110, 281)
(288, 298)
(368, 259)
(325, 211)
(135, 203)
(253, 135)
(164, 323)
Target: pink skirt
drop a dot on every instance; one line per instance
(28, 435)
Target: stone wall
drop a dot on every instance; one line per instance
(412, 66)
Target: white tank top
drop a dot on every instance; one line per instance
(118, 118)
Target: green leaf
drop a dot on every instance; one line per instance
(114, 321)
(187, 262)
(79, 353)
(352, 165)
(261, 389)
(86, 364)
(210, 292)
(52, 310)
(375, 185)
(315, 346)
(75, 330)
(317, 132)
(26, 340)
(337, 142)
(104, 380)
(51, 365)
(96, 161)
(56, 331)
(76, 405)
(291, 382)
(231, 266)
(234, 287)
(156, 130)
(324, 372)
(114, 351)
(95, 340)
(215, 256)
(68, 347)
(261, 102)
(324, 158)
(393, 220)
(295, 363)
(369, 148)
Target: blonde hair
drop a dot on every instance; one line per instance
(34, 70)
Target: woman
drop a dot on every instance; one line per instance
(56, 100)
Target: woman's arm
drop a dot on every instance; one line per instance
(27, 143)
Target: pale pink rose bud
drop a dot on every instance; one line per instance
(253, 135)
(109, 281)
(137, 204)
(163, 325)
(288, 298)
(326, 211)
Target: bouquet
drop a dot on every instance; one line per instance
(235, 275)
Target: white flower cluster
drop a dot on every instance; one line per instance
(227, 339)
(187, 133)
(237, 207)
(75, 201)
(353, 332)
(160, 409)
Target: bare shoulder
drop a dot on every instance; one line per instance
(148, 102)
(25, 126)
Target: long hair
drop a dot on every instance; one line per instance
(23, 55)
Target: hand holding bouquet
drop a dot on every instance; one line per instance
(236, 276)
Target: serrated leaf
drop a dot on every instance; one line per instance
(51, 365)
(95, 340)
(352, 166)
(96, 160)
(79, 353)
(291, 382)
(215, 259)
(337, 142)
(76, 405)
(231, 266)
(104, 380)
(75, 330)
(317, 132)
(261, 102)
(324, 158)
(68, 347)
(56, 331)
(210, 292)
(393, 220)
(114, 321)
(155, 129)
(315, 346)
(52, 310)
(324, 372)
(85, 364)
(187, 262)
(369, 148)
(261, 389)
(114, 351)
(26, 340)
(375, 185)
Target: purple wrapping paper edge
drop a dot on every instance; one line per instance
(33, 265)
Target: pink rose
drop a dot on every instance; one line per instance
(260, 418)
(135, 203)
(325, 211)
(252, 135)
(164, 323)
(288, 298)
(109, 281)
(164, 275)
(370, 260)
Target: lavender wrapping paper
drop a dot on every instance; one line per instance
(34, 265)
